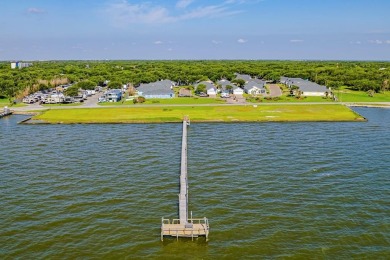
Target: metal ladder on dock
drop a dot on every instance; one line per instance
(184, 226)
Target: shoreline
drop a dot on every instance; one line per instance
(197, 114)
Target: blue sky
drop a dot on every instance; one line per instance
(195, 29)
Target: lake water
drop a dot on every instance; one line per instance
(269, 190)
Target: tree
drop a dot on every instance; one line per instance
(114, 85)
(200, 88)
(72, 91)
(239, 82)
(86, 85)
(229, 88)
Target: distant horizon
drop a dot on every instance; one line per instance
(195, 30)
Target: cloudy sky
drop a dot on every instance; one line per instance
(194, 29)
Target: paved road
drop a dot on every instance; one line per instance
(274, 90)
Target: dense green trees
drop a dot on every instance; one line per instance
(355, 75)
(72, 91)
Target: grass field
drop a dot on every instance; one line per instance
(261, 113)
(289, 99)
(346, 95)
(5, 102)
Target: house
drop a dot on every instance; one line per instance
(255, 87)
(224, 86)
(211, 90)
(20, 65)
(158, 89)
(114, 95)
(237, 90)
(244, 77)
(306, 87)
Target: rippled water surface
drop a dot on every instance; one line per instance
(301, 190)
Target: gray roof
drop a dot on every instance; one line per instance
(224, 83)
(304, 85)
(163, 87)
(259, 84)
(243, 77)
(208, 84)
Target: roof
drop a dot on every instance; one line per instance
(208, 84)
(304, 85)
(224, 82)
(163, 87)
(243, 77)
(253, 84)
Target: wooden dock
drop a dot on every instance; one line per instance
(184, 226)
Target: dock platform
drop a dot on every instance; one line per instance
(184, 226)
(6, 112)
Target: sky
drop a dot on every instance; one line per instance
(194, 29)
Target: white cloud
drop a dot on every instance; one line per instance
(356, 42)
(242, 40)
(158, 42)
(379, 41)
(375, 41)
(124, 12)
(182, 4)
(216, 42)
(34, 10)
(296, 41)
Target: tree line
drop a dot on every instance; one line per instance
(356, 75)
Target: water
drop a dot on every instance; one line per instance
(270, 190)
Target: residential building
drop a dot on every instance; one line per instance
(158, 89)
(306, 87)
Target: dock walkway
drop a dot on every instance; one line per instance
(184, 226)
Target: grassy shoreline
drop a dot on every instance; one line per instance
(172, 114)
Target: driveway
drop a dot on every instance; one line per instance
(274, 90)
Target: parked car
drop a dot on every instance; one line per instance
(202, 94)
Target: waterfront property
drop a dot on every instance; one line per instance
(237, 90)
(158, 89)
(114, 95)
(306, 87)
(255, 87)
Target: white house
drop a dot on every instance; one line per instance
(211, 90)
(306, 87)
(237, 90)
(255, 87)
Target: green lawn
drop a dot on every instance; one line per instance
(289, 99)
(201, 114)
(5, 102)
(346, 95)
(170, 101)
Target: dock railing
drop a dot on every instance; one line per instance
(184, 226)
